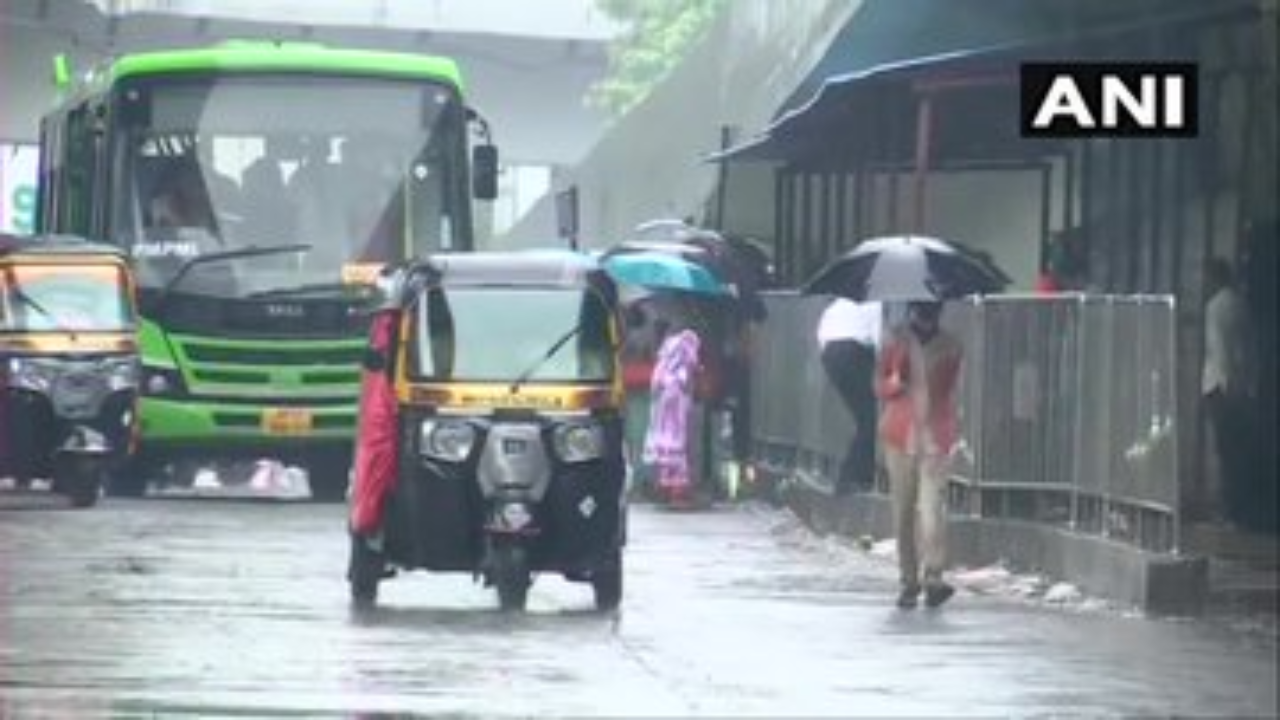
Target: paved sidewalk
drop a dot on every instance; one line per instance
(1244, 572)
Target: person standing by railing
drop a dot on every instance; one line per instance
(1228, 386)
(917, 377)
(848, 335)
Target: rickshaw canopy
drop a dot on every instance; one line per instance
(506, 270)
(14, 246)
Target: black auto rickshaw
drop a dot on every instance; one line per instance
(490, 438)
(68, 363)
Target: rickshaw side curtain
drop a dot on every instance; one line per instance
(376, 444)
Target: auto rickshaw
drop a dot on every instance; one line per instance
(69, 363)
(490, 438)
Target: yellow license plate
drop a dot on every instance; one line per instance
(286, 421)
(361, 273)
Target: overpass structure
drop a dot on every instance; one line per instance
(527, 65)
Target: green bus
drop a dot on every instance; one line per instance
(260, 188)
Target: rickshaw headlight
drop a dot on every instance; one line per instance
(578, 442)
(449, 441)
(30, 375)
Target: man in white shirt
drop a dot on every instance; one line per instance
(1228, 384)
(848, 335)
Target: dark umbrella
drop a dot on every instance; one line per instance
(988, 263)
(906, 268)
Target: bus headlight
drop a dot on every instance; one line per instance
(578, 442)
(161, 382)
(448, 441)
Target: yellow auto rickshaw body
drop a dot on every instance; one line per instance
(506, 377)
(69, 367)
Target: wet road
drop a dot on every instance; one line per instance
(216, 607)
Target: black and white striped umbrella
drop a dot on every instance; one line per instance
(907, 267)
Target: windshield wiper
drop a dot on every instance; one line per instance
(245, 252)
(551, 351)
(312, 289)
(39, 307)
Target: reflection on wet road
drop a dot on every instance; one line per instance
(235, 607)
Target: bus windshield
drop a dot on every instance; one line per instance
(59, 298)
(364, 171)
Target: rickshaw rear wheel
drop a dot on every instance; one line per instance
(606, 583)
(511, 577)
(365, 571)
(79, 479)
(329, 473)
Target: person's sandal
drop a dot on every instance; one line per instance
(937, 594)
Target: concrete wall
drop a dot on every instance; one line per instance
(998, 212)
(648, 164)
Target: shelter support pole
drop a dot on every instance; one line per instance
(842, 213)
(860, 224)
(781, 219)
(1046, 209)
(722, 180)
(826, 235)
(924, 138)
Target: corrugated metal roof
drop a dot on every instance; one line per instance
(890, 40)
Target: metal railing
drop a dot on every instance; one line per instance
(1067, 407)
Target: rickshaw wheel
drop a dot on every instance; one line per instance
(364, 573)
(329, 474)
(79, 480)
(606, 583)
(511, 577)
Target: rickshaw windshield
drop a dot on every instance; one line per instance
(63, 298)
(543, 335)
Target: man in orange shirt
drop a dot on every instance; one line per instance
(916, 379)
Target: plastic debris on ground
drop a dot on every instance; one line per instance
(887, 549)
(984, 581)
(1063, 593)
(266, 479)
(996, 581)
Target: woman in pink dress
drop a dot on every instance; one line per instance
(672, 385)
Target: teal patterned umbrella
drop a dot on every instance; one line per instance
(660, 271)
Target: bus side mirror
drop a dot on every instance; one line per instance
(484, 169)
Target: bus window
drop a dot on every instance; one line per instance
(76, 202)
(50, 174)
